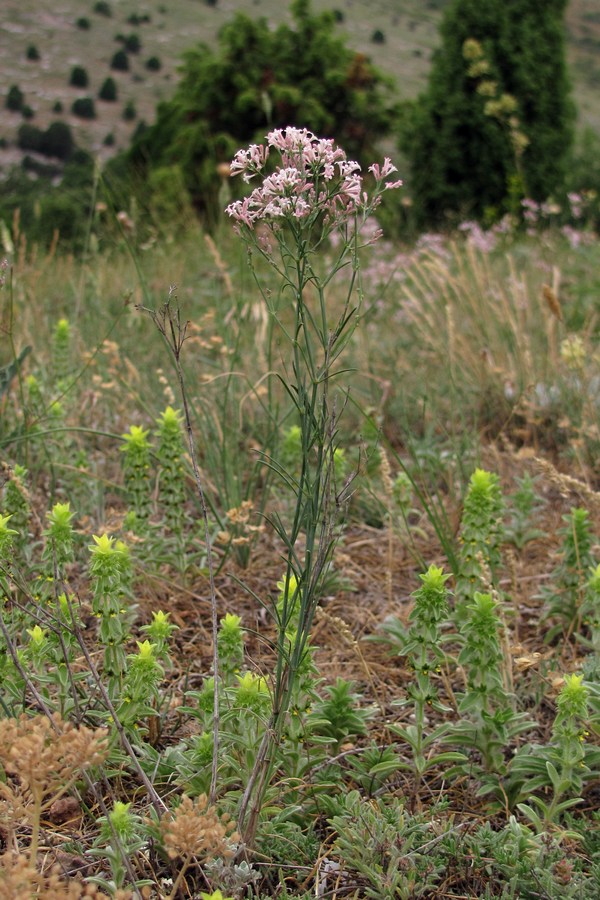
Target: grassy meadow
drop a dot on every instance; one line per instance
(436, 732)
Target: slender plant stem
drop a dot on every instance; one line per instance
(168, 322)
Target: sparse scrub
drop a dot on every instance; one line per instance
(30, 138)
(132, 43)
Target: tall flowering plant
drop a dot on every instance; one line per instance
(308, 192)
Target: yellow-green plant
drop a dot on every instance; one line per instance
(171, 477)
(489, 719)
(136, 468)
(231, 647)
(564, 598)
(559, 767)
(524, 503)
(16, 503)
(422, 646)
(110, 572)
(159, 630)
(123, 835)
(59, 549)
(62, 353)
(480, 538)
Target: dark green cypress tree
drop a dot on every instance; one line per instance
(462, 155)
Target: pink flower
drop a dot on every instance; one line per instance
(241, 211)
(315, 180)
(380, 173)
(249, 162)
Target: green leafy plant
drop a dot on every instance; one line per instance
(341, 717)
(171, 478)
(560, 766)
(103, 8)
(122, 836)
(564, 598)
(480, 537)
(471, 154)
(15, 98)
(422, 645)
(129, 111)
(523, 505)
(16, 503)
(382, 843)
(108, 90)
(136, 467)
(490, 719)
(120, 61)
(153, 64)
(110, 568)
(84, 108)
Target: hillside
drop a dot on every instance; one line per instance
(400, 35)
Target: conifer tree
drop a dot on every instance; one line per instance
(461, 140)
(257, 79)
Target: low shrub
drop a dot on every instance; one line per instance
(84, 108)
(79, 77)
(103, 8)
(15, 98)
(130, 112)
(108, 91)
(120, 61)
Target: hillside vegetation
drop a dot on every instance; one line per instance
(165, 31)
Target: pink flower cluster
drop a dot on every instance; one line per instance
(315, 178)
